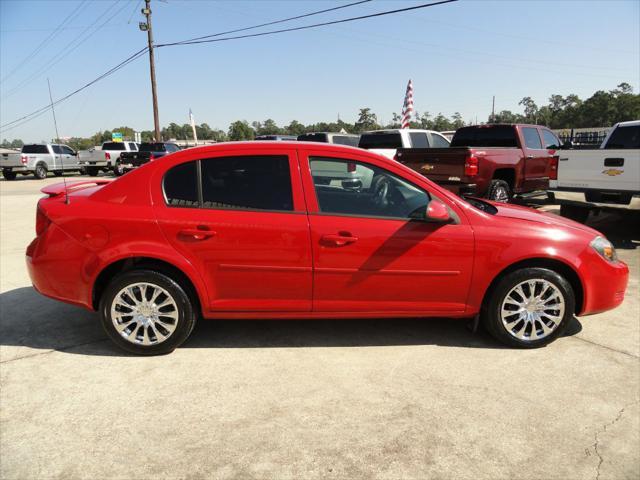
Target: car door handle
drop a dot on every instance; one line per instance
(529, 157)
(201, 233)
(338, 240)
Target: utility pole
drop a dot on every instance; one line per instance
(146, 11)
(493, 110)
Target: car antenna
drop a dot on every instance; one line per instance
(55, 123)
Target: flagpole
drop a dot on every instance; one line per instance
(193, 127)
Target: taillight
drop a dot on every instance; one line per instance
(151, 157)
(42, 221)
(351, 167)
(107, 156)
(471, 166)
(553, 168)
(24, 159)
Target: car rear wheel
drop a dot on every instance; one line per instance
(92, 171)
(146, 312)
(9, 174)
(499, 191)
(40, 172)
(118, 169)
(529, 308)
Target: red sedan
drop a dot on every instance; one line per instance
(306, 230)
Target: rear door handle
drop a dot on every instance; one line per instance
(338, 240)
(200, 233)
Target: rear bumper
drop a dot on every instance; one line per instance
(598, 198)
(460, 189)
(604, 283)
(17, 168)
(55, 265)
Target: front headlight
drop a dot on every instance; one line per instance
(604, 248)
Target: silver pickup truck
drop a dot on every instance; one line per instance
(105, 159)
(39, 159)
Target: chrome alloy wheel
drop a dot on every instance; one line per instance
(144, 314)
(532, 310)
(501, 195)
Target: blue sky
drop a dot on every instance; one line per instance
(458, 56)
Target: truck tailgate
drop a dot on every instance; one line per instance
(10, 160)
(437, 164)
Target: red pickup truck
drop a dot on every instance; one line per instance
(491, 161)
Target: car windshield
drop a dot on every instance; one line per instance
(152, 147)
(380, 140)
(489, 136)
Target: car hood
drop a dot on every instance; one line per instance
(537, 216)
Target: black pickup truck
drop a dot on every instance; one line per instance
(147, 152)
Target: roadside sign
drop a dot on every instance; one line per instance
(116, 137)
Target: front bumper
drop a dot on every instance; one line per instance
(604, 283)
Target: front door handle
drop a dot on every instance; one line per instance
(200, 233)
(338, 240)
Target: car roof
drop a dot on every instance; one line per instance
(271, 145)
(630, 123)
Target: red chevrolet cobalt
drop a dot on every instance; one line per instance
(306, 230)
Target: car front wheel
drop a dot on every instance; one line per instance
(529, 308)
(146, 312)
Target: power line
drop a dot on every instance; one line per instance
(306, 27)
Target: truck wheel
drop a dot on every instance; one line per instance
(575, 212)
(92, 171)
(9, 174)
(499, 191)
(529, 308)
(118, 170)
(40, 172)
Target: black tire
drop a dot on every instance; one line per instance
(499, 191)
(492, 309)
(184, 324)
(57, 173)
(575, 212)
(92, 171)
(40, 172)
(9, 174)
(118, 170)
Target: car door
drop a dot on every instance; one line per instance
(536, 161)
(241, 221)
(373, 251)
(70, 158)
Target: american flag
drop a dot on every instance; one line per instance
(407, 108)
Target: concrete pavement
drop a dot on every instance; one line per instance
(311, 399)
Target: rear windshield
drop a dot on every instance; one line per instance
(35, 149)
(380, 140)
(113, 146)
(313, 137)
(494, 136)
(624, 137)
(152, 147)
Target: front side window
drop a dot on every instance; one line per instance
(531, 138)
(57, 149)
(438, 141)
(252, 182)
(419, 140)
(346, 187)
(181, 185)
(550, 140)
(68, 150)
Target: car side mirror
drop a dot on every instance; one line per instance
(437, 212)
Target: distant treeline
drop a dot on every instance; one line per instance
(602, 109)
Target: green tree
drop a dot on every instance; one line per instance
(367, 120)
(295, 128)
(240, 130)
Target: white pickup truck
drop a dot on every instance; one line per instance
(386, 142)
(107, 158)
(605, 177)
(39, 159)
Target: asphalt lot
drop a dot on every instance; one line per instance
(311, 399)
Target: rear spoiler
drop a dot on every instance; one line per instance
(60, 188)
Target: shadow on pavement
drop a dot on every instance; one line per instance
(27, 319)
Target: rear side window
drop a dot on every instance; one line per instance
(624, 137)
(550, 140)
(380, 140)
(35, 149)
(490, 136)
(181, 185)
(419, 140)
(113, 146)
(531, 138)
(251, 182)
